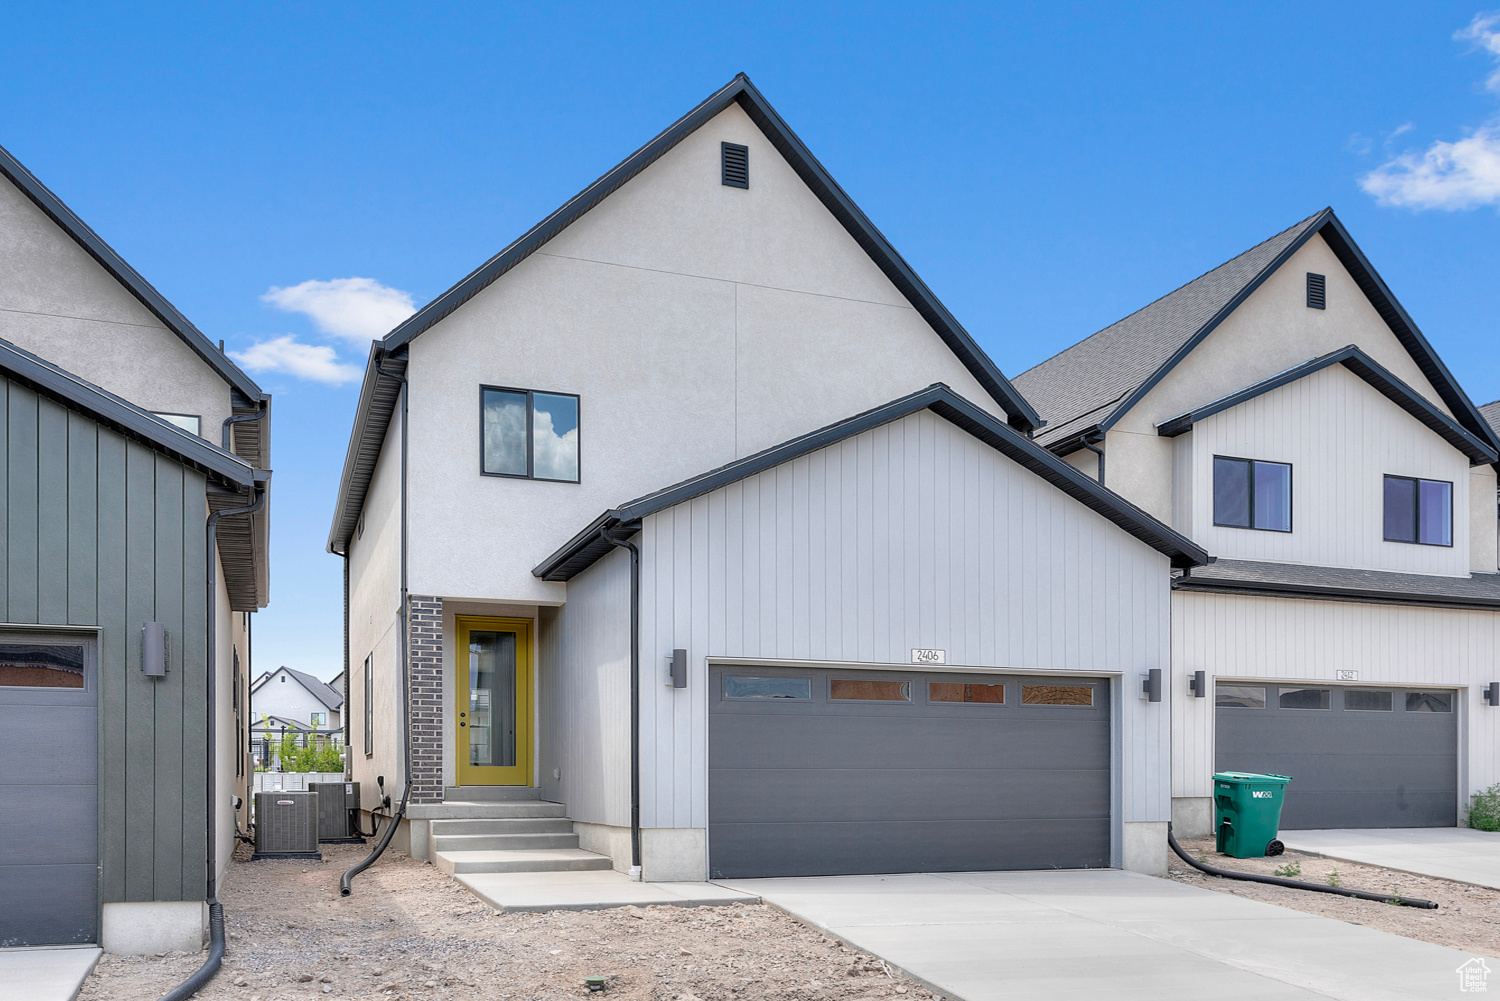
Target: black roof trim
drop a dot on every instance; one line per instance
(1362, 365)
(72, 392)
(126, 275)
(813, 174)
(1284, 580)
(587, 546)
(378, 395)
(1327, 225)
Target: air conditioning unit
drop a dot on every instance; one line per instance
(286, 825)
(338, 816)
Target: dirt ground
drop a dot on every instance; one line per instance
(409, 932)
(1467, 918)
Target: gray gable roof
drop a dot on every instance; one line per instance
(126, 275)
(317, 689)
(1342, 583)
(1087, 388)
(585, 548)
(1491, 414)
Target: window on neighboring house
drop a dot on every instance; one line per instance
(1250, 493)
(1419, 511)
(528, 434)
(319, 720)
(369, 707)
(191, 423)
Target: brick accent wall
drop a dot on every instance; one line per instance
(425, 639)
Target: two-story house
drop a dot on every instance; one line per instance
(692, 534)
(133, 541)
(1285, 413)
(300, 697)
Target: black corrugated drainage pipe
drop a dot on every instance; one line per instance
(635, 697)
(215, 959)
(345, 884)
(1295, 884)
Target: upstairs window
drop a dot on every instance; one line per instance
(191, 423)
(528, 434)
(1419, 511)
(1249, 493)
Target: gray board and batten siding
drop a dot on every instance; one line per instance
(1358, 757)
(101, 532)
(804, 783)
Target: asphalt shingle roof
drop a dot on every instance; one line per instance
(1343, 582)
(1076, 388)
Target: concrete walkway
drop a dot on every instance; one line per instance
(589, 890)
(1459, 853)
(45, 974)
(1071, 935)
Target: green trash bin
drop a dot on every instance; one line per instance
(1247, 813)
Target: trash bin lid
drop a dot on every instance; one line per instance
(1244, 778)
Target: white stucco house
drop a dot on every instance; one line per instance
(1285, 413)
(298, 696)
(691, 534)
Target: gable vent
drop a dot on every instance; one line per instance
(736, 164)
(1317, 291)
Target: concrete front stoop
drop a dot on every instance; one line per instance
(504, 829)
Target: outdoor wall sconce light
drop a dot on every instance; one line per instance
(677, 671)
(154, 649)
(1151, 685)
(1198, 684)
(1492, 693)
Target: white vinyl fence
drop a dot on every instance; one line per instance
(292, 781)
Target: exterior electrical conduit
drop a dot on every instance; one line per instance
(635, 697)
(345, 884)
(1295, 884)
(215, 959)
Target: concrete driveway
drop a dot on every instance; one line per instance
(1104, 933)
(1458, 853)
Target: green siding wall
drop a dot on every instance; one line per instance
(96, 530)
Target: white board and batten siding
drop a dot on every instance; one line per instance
(910, 535)
(1301, 640)
(1341, 437)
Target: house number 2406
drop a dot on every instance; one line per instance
(929, 656)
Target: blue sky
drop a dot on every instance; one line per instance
(1047, 168)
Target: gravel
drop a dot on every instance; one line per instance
(1467, 918)
(408, 931)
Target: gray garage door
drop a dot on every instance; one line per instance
(1358, 757)
(49, 841)
(829, 772)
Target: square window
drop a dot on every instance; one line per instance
(1368, 702)
(530, 435)
(1251, 493)
(41, 665)
(1057, 695)
(1429, 702)
(1419, 511)
(860, 690)
(1303, 698)
(1239, 697)
(741, 687)
(951, 691)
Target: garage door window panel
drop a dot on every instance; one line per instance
(41, 665)
(1073, 696)
(1304, 698)
(865, 690)
(955, 692)
(1358, 700)
(752, 688)
(1429, 702)
(1239, 697)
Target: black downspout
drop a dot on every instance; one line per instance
(348, 755)
(1093, 446)
(345, 884)
(635, 698)
(215, 959)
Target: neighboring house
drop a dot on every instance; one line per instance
(879, 629)
(1285, 413)
(295, 695)
(123, 429)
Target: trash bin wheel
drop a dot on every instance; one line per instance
(1274, 848)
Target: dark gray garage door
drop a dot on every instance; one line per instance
(49, 841)
(828, 772)
(1358, 757)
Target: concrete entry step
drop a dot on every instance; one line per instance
(501, 842)
(502, 825)
(482, 810)
(543, 860)
(583, 891)
(490, 794)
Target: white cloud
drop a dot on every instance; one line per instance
(305, 361)
(1450, 175)
(1462, 174)
(1484, 32)
(357, 309)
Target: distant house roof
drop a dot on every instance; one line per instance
(1491, 414)
(1088, 387)
(378, 394)
(126, 275)
(1299, 580)
(585, 548)
(325, 694)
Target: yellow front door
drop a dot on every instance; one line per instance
(493, 691)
